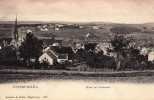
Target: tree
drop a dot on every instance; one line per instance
(90, 46)
(31, 47)
(120, 47)
(134, 53)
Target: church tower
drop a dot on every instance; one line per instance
(16, 31)
(16, 38)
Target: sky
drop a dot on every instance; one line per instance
(117, 11)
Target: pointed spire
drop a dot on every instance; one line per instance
(16, 30)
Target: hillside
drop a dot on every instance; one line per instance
(7, 27)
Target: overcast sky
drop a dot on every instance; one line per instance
(119, 11)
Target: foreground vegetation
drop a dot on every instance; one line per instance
(43, 75)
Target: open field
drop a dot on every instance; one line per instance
(23, 75)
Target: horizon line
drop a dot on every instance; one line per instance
(78, 22)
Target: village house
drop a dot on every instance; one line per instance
(62, 58)
(151, 56)
(98, 49)
(56, 29)
(81, 27)
(4, 42)
(29, 31)
(16, 43)
(43, 29)
(44, 26)
(51, 56)
(76, 46)
(48, 56)
(103, 47)
(60, 25)
(56, 44)
(95, 27)
(88, 35)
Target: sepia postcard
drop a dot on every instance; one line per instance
(76, 49)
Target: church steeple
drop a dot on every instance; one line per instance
(16, 30)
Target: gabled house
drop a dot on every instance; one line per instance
(48, 57)
(51, 56)
(151, 56)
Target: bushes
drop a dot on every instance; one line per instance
(102, 62)
(12, 63)
(149, 65)
(44, 64)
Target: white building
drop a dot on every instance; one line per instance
(151, 56)
(88, 34)
(43, 29)
(60, 25)
(57, 29)
(48, 56)
(52, 56)
(95, 27)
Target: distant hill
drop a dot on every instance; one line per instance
(124, 30)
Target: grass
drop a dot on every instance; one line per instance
(66, 33)
(101, 34)
(13, 75)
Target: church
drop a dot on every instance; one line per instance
(9, 46)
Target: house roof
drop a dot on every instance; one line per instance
(56, 44)
(53, 51)
(62, 56)
(150, 52)
(51, 55)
